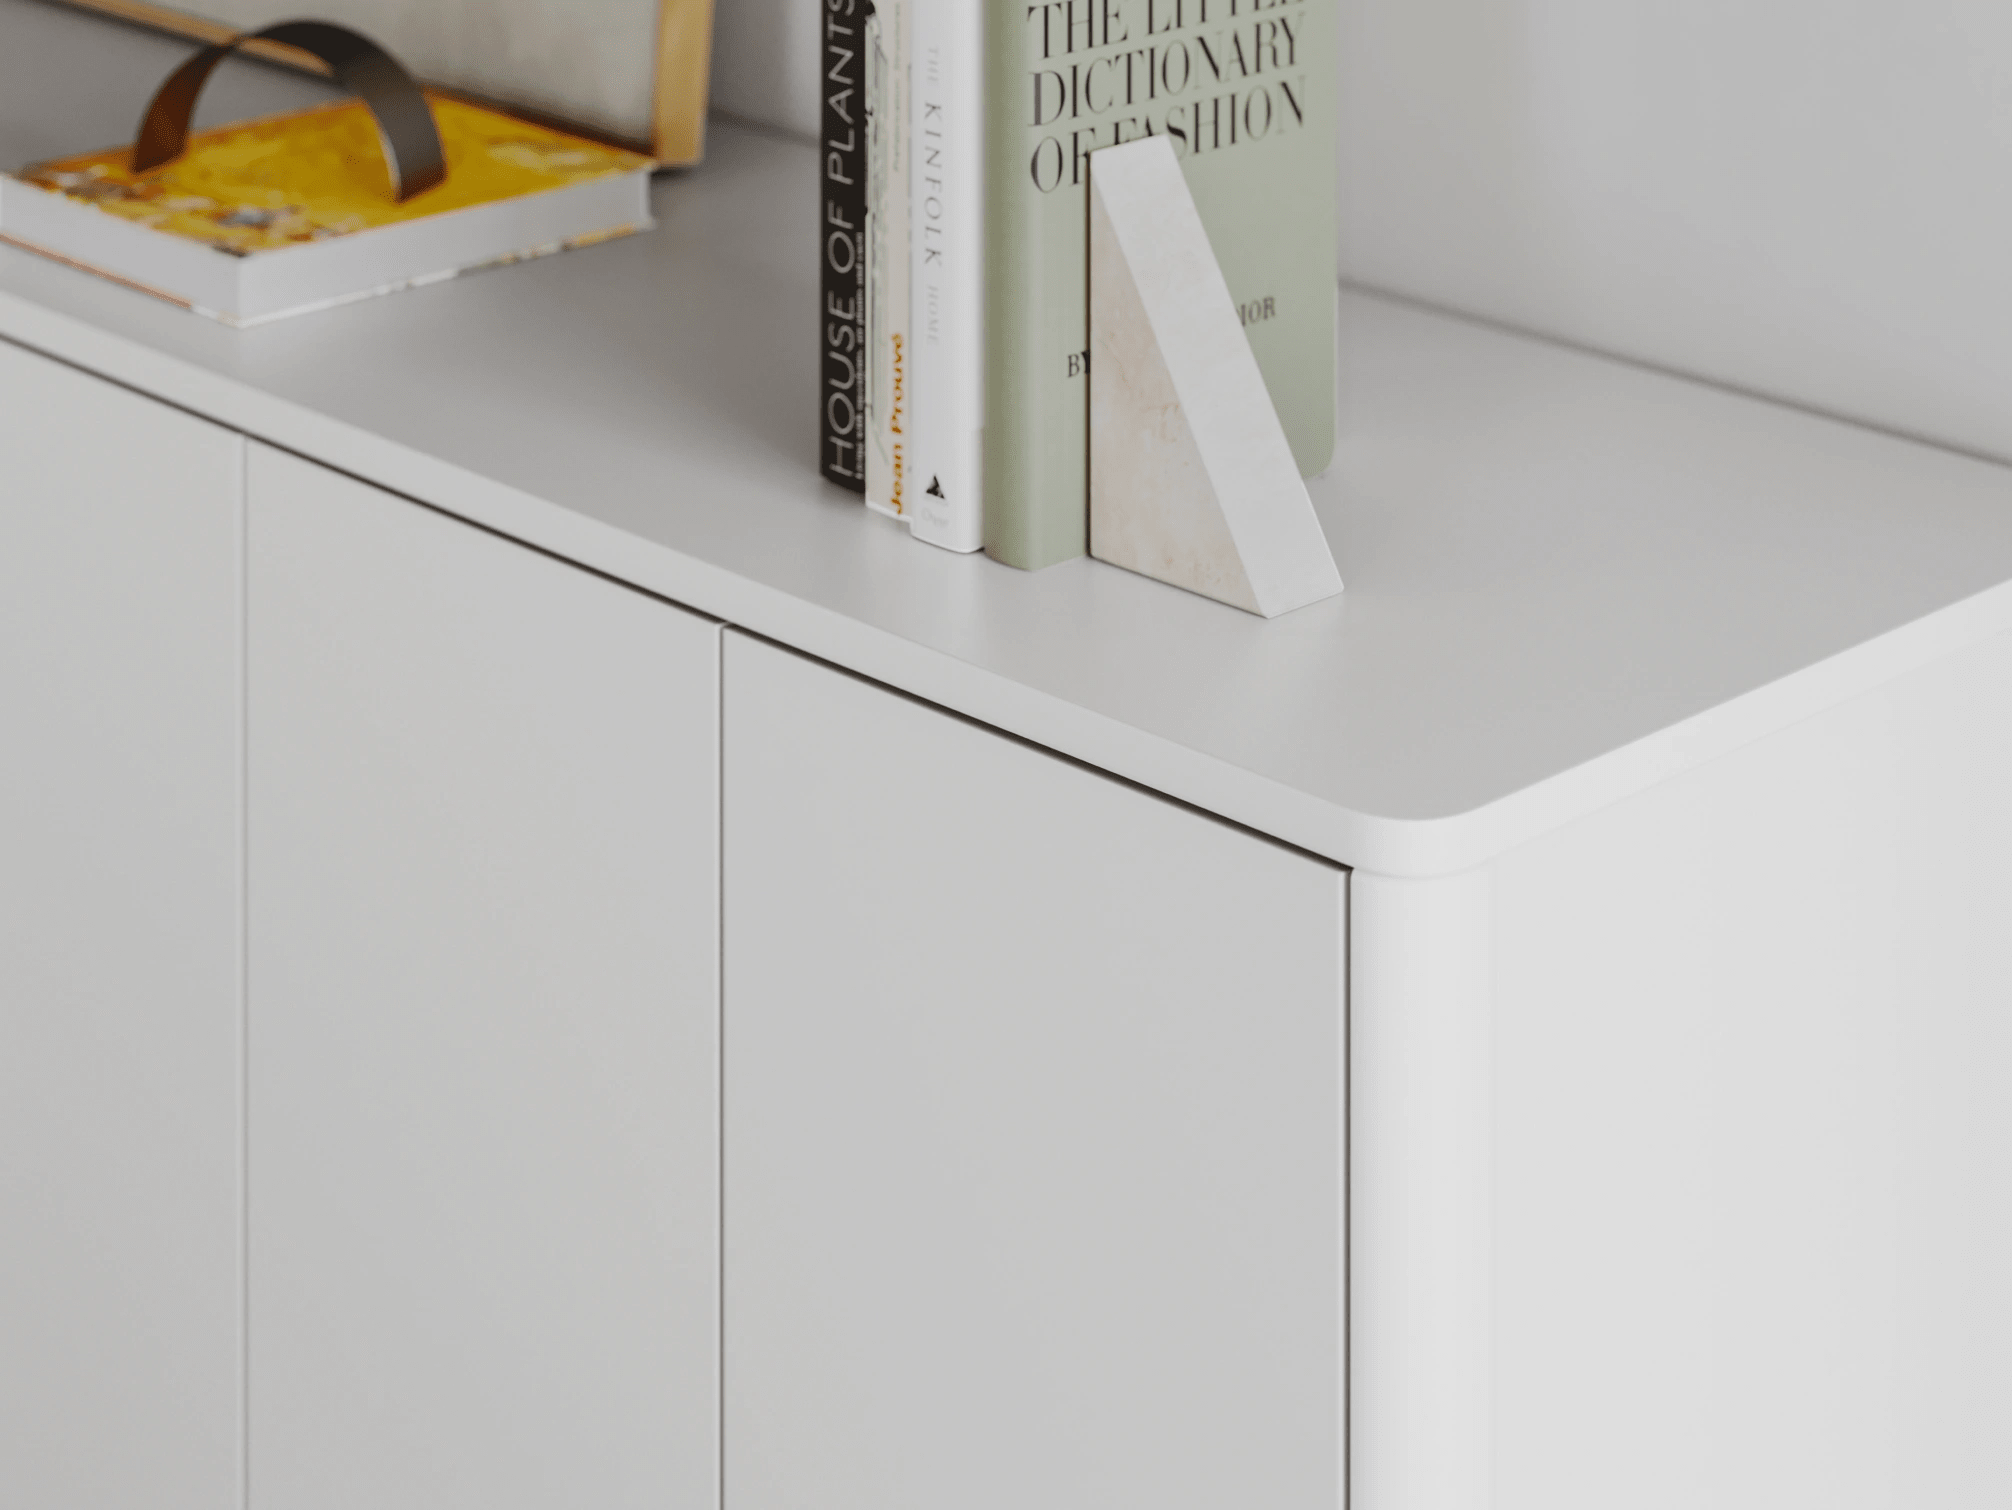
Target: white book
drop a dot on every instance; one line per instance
(947, 234)
(890, 383)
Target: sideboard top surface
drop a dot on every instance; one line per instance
(1567, 577)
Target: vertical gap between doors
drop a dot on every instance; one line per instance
(244, 967)
(1346, 1103)
(719, 1053)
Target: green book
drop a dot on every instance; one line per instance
(1246, 91)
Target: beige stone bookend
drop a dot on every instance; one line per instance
(1191, 479)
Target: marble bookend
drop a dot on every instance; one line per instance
(1192, 481)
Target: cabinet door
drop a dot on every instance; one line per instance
(483, 1018)
(1033, 1125)
(120, 1209)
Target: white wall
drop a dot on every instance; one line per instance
(765, 62)
(1812, 198)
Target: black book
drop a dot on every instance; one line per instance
(841, 223)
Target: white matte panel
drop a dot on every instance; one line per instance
(121, 1299)
(483, 1047)
(1805, 197)
(1753, 1156)
(1033, 1125)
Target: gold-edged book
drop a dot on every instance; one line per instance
(291, 213)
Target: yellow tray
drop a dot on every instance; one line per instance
(315, 174)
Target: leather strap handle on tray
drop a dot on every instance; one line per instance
(405, 126)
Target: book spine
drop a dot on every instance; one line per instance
(889, 380)
(1247, 97)
(948, 241)
(842, 239)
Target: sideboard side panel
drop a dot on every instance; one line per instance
(1421, 1308)
(1753, 1113)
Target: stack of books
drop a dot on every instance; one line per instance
(953, 226)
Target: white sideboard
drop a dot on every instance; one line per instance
(417, 1197)
(550, 957)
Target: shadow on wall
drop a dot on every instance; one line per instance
(765, 61)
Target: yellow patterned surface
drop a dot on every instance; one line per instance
(273, 183)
